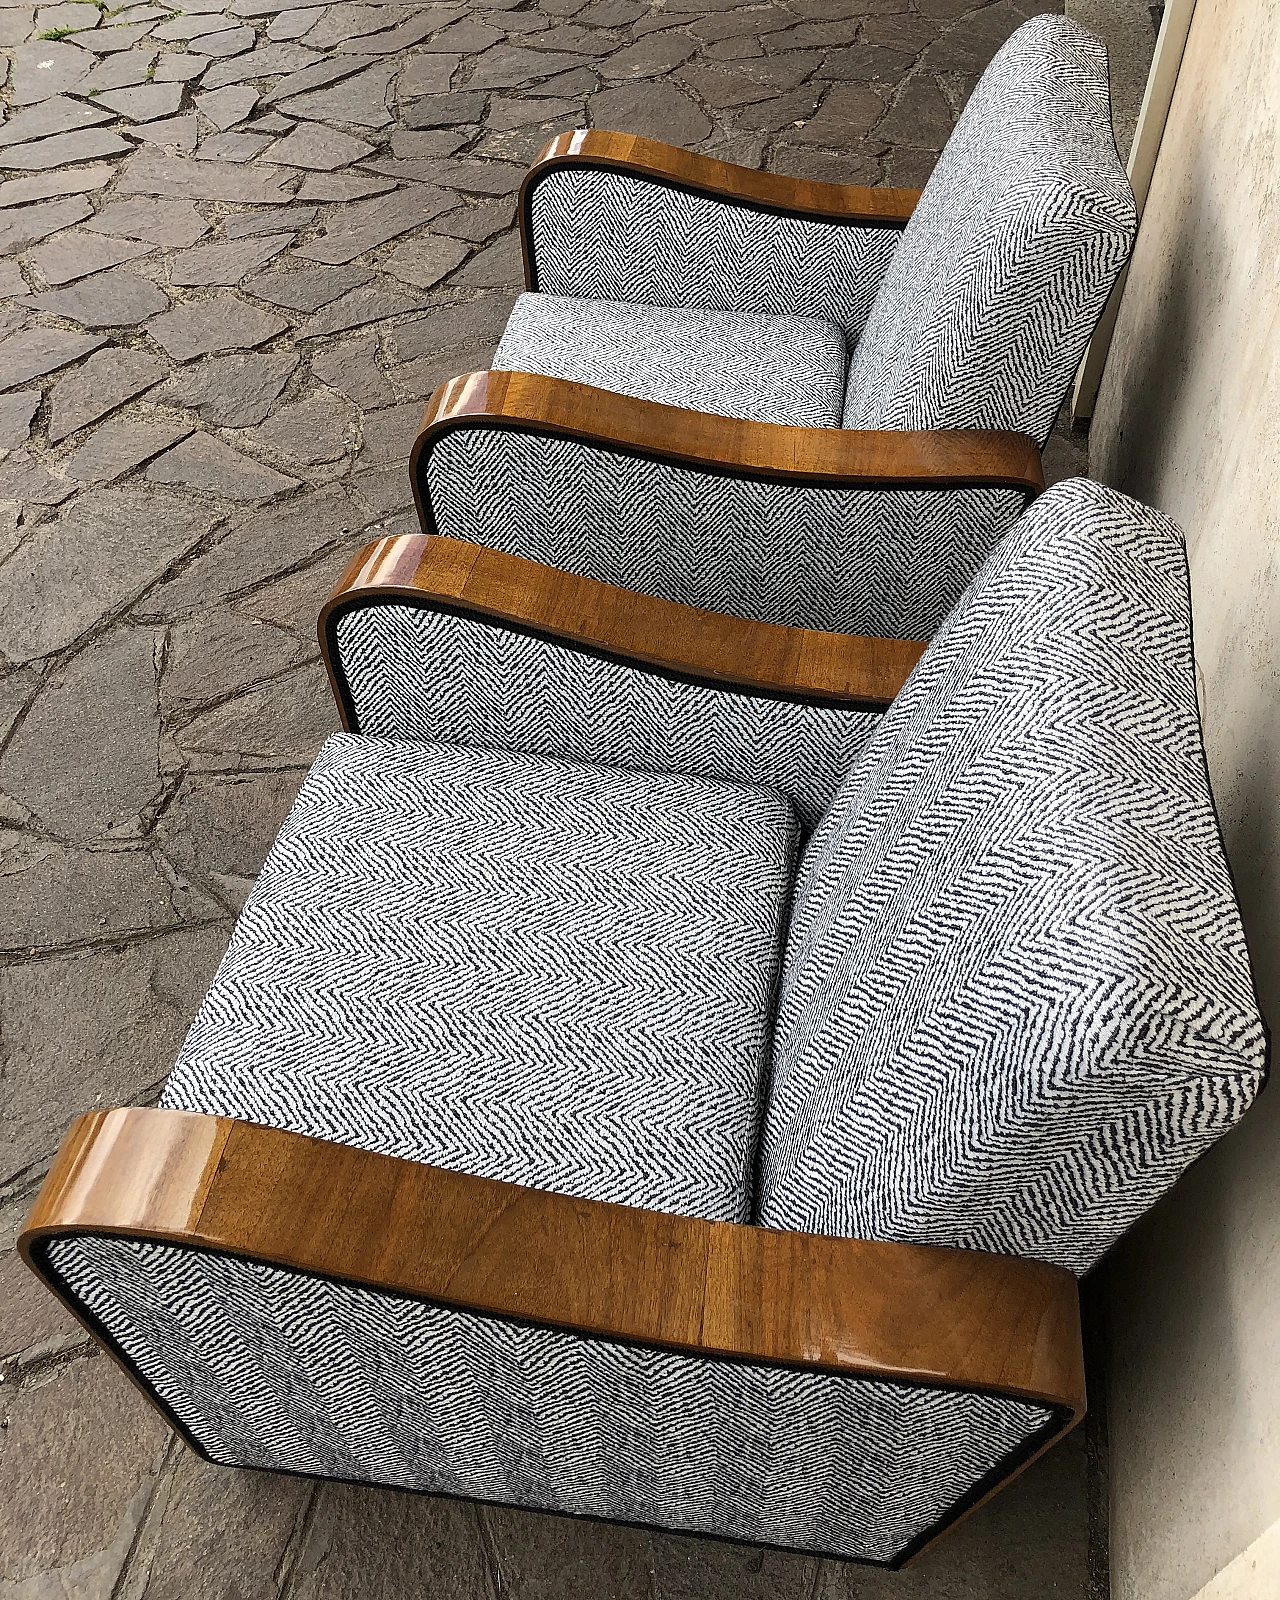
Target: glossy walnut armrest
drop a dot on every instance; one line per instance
(602, 151)
(663, 636)
(835, 458)
(955, 1319)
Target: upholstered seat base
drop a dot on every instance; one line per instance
(511, 966)
(781, 369)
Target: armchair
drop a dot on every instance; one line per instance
(568, 1136)
(795, 328)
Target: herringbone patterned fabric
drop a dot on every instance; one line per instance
(416, 674)
(1010, 254)
(270, 1369)
(611, 236)
(788, 370)
(1017, 1001)
(555, 974)
(885, 563)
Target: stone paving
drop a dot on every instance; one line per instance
(240, 243)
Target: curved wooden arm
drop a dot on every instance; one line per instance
(602, 151)
(954, 458)
(959, 1319)
(707, 647)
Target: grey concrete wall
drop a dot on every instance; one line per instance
(1187, 419)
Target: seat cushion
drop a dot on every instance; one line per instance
(1017, 1000)
(555, 974)
(1010, 254)
(731, 363)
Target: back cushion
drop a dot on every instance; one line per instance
(1017, 1001)
(1007, 262)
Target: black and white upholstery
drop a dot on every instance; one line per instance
(413, 673)
(783, 369)
(974, 316)
(457, 956)
(1015, 1002)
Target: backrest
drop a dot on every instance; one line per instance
(1007, 262)
(1017, 1001)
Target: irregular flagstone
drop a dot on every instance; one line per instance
(348, 21)
(202, 327)
(175, 133)
(505, 115)
(15, 24)
(177, 68)
(78, 254)
(186, 26)
(116, 299)
(342, 186)
(182, 177)
(468, 38)
(16, 412)
(25, 482)
(582, 41)
(360, 101)
(107, 379)
(427, 74)
(226, 263)
(479, 177)
(307, 288)
(509, 66)
(427, 142)
(51, 895)
(373, 302)
(122, 444)
(109, 40)
(46, 68)
(318, 76)
(209, 466)
(317, 431)
(655, 110)
(393, 39)
(461, 326)
(237, 146)
(146, 103)
(217, 654)
(363, 226)
(721, 89)
(233, 391)
(225, 107)
(447, 110)
(85, 145)
(266, 542)
(496, 267)
(318, 147)
(293, 24)
(130, 67)
(97, 557)
(233, 43)
(241, 227)
(265, 62)
(426, 261)
(169, 223)
(266, 8)
(71, 17)
(57, 115)
(651, 57)
(479, 222)
(32, 352)
(272, 122)
(281, 722)
(79, 180)
(20, 228)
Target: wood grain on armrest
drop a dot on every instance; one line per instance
(962, 1319)
(601, 150)
(661, 635)
(956, 458)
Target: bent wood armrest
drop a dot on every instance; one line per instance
(953, 458)
(919, 1314)
(602, 151)
(638, 630)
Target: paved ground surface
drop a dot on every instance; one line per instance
(240, 245)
